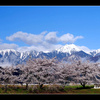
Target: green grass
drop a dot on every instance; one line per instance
(84, 91)
(49, 89)
(80, 90)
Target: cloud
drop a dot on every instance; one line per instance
(39, 48)
(69, 38)
(45, 41)
(51, 37)
(84, 48)
(8, 46)
(28, 38)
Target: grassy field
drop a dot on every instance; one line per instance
(48, 89)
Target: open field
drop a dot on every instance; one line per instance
(48, 89)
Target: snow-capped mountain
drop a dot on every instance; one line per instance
(95, 52)
(3, 52)
(14, 57)
(69, 48)
(67, 53)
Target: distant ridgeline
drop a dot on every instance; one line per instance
(65, 53)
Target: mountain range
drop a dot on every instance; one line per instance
(65, 53)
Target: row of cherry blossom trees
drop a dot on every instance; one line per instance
(50, 71)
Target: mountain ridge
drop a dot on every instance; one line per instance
(66, 53)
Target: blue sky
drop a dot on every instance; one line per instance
(36, 27)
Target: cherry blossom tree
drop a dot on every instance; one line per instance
(84, 72)
(6, 76)
(23, 77)
(43, 70)
(65, 73)
(50, 71)
(39, 71)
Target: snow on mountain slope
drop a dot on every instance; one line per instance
(69, 51)
(7, 51)
(23, 55)
(68, 48)
(95, 52)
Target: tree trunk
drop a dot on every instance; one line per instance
(41, 86)
(26, 86)
(5, 88)
(21, 84)
(83, 85)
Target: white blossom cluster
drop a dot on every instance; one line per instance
(50, 71)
